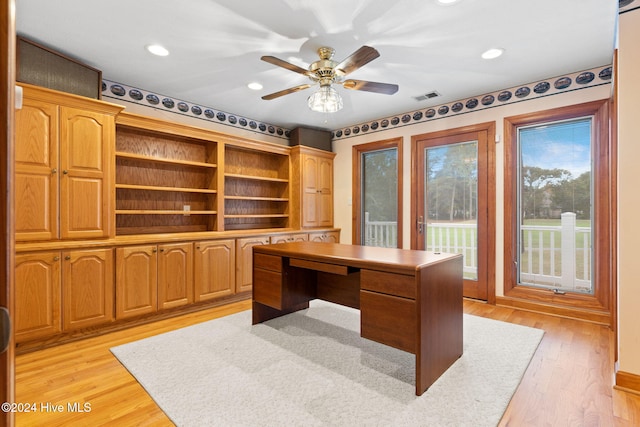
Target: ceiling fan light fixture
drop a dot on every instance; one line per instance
(325, 100)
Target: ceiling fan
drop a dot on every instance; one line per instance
(326, 71)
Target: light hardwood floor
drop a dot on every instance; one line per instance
(568, 383)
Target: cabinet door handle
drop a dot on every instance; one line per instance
(54, 170)
(161, 250)
(65, 171)
(56, 258)
(67, 257)
(154, 250)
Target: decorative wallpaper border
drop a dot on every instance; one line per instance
(145, 98)
(626, 5)
(553, 86)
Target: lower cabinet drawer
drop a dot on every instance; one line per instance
(267, 288)
(388, 320)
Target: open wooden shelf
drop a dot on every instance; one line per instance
(163, 160)
(160, 212)
(256, 178)
(257, 190)
(161, 174)
(169, 189)
(252, 198)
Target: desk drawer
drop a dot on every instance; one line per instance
(267, 262)
(267, 288)
(399, 285)
(388, 320)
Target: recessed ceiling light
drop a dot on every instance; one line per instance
(157, 49)
(447, 1)
(492, 53)
(254, 86)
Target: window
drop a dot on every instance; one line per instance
(557, 210)
(555, 200)
(377, 192)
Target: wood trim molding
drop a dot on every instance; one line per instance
(7, 259)
(599, 306)
(489, 128)
(600, 317)
(627, 381)
(357, 151)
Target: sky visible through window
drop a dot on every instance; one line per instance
(564, 145)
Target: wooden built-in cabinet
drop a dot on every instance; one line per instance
(175, 275)
(38, 297)
(325, 236)
(313, 187)
(63, 167)
(165, 182)
(256, 187)
(136, 280)
(244, 260)
(121, 217)
(87, 288)
(214, 269)
(62, 291)
(153, 277)
(288, 238)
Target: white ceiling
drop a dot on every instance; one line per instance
(216, 47)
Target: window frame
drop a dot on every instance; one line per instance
(357, 152)
(596, 307)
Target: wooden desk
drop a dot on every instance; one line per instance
(410, 300)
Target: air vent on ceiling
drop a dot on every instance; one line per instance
(428, 95)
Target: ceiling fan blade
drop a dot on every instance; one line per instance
(384, 88)
(285, 92)
(360, 57)
(284, 64)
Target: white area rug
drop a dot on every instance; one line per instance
(312, 368)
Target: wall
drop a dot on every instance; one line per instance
(628, 195)
(343, 160)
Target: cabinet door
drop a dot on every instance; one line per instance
(36, 167)
(309, 191)
(325, 236)
(288, 238)
(87, 287)
(136, 281)
(214, 274)
(175, 275)
(244, 261)
(86, 159)
(325, 192)
(37, 295)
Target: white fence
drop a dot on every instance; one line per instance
(380, 233)
(543, 249)
(557, 257)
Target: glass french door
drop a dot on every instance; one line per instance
(451, 208)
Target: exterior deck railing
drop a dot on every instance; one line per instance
(543, 249)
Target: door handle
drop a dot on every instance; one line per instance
(421, 224)
(5, 329)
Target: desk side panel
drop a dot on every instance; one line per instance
(439, 320)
